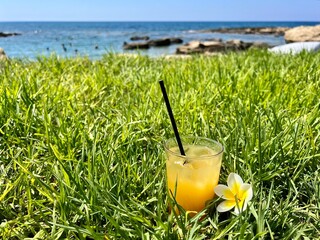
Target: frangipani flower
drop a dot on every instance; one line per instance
(237, 194)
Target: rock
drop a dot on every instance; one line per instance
(135, 45)
(136, 38)
(193, 44)
(213, 47)
(3, 55)
(251, 30)
(2, 34)
(176, 40)
(303, 34)
(201, 47)
(189, 48)
(160, 42)
(237, 44)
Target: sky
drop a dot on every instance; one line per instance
(161, 10)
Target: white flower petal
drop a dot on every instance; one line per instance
(234, 182)
(246, 192)
(225, 206)
(224, 192)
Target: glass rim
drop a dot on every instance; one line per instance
(193, 137)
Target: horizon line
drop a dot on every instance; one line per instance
(138, 21)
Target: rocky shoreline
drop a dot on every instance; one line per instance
(196, 46)
(205, 47)
(278, 31)
(211, 46)
(297, 34)
(144, 42)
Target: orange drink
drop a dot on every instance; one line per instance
(192, 178)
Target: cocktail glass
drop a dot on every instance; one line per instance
(192, 178)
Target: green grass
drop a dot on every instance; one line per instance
(81, 153)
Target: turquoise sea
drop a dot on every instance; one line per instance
(93, 39)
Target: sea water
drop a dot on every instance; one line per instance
(94, 39)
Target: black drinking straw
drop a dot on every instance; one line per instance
(173, 122)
